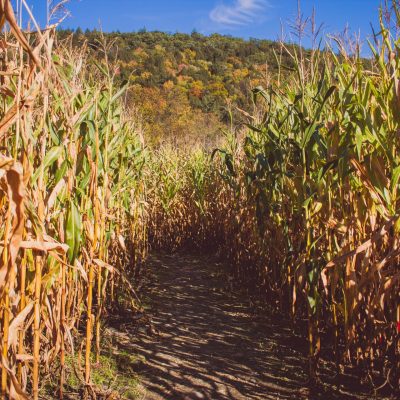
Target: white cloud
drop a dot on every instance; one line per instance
(241, 12)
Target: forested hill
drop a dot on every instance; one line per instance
(183, 83)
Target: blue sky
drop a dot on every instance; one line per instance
(243, 18)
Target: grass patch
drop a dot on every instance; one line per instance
(114, 375)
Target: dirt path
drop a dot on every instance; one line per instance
(208, 345)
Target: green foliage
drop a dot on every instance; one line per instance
(182, 84)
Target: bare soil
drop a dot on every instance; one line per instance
(206, 342)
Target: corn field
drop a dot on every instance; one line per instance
(301, 201)
(71, 201)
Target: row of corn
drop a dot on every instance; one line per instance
(71, 203)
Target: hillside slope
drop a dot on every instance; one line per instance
(184, 84)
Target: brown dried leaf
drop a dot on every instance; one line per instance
(7, 13)
(45, 246)
(17, 323)
(11, 174)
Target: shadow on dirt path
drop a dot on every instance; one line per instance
(207, 344)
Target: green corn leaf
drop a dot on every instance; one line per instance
(73, 232)
(394, 182)
(51, 156)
